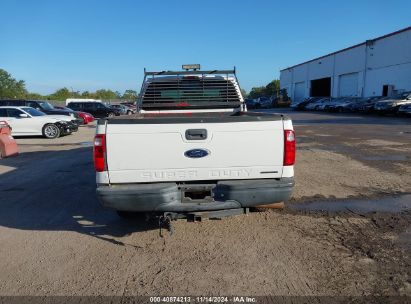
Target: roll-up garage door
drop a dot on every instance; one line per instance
(299, 91)
(348, 85)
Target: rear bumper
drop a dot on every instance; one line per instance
(163, 197)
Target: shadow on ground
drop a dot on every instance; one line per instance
(55, 191)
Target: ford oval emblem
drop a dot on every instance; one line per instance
(196, 153)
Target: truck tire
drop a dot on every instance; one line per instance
(51, 131)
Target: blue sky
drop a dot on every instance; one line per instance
(92, 44)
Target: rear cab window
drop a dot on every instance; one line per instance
(197, 91)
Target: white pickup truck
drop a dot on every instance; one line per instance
(193, 147)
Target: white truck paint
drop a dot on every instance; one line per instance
(144, 162)
(232, 152)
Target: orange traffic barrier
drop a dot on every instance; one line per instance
(8, 145)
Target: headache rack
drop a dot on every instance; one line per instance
(190, 89)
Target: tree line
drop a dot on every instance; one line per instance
(16, 89)
(271, 89)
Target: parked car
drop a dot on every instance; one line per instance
(300, 105)
(324, 106)
(123, 109)
(364, 105)
(43, 106)
(251, 103)
(131, 105)
(295, 104)
(263, 102)
(260, 102)
(274, 101)
(404, 110)
(316, 104)
(341, 104)
(370, 107)
(26, 121)
(392, 104)
(97, 109)
(86, 117)
(187, 166)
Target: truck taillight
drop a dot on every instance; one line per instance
(100, 152)
(289, 148)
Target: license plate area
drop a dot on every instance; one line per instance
(202, 193)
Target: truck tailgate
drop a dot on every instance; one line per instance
(145, 153)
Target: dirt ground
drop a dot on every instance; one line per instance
(57, 240)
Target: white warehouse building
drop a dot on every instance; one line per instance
(376, 67)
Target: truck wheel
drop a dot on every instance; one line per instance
(51, 131)
(110, 115)
(129, 112)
